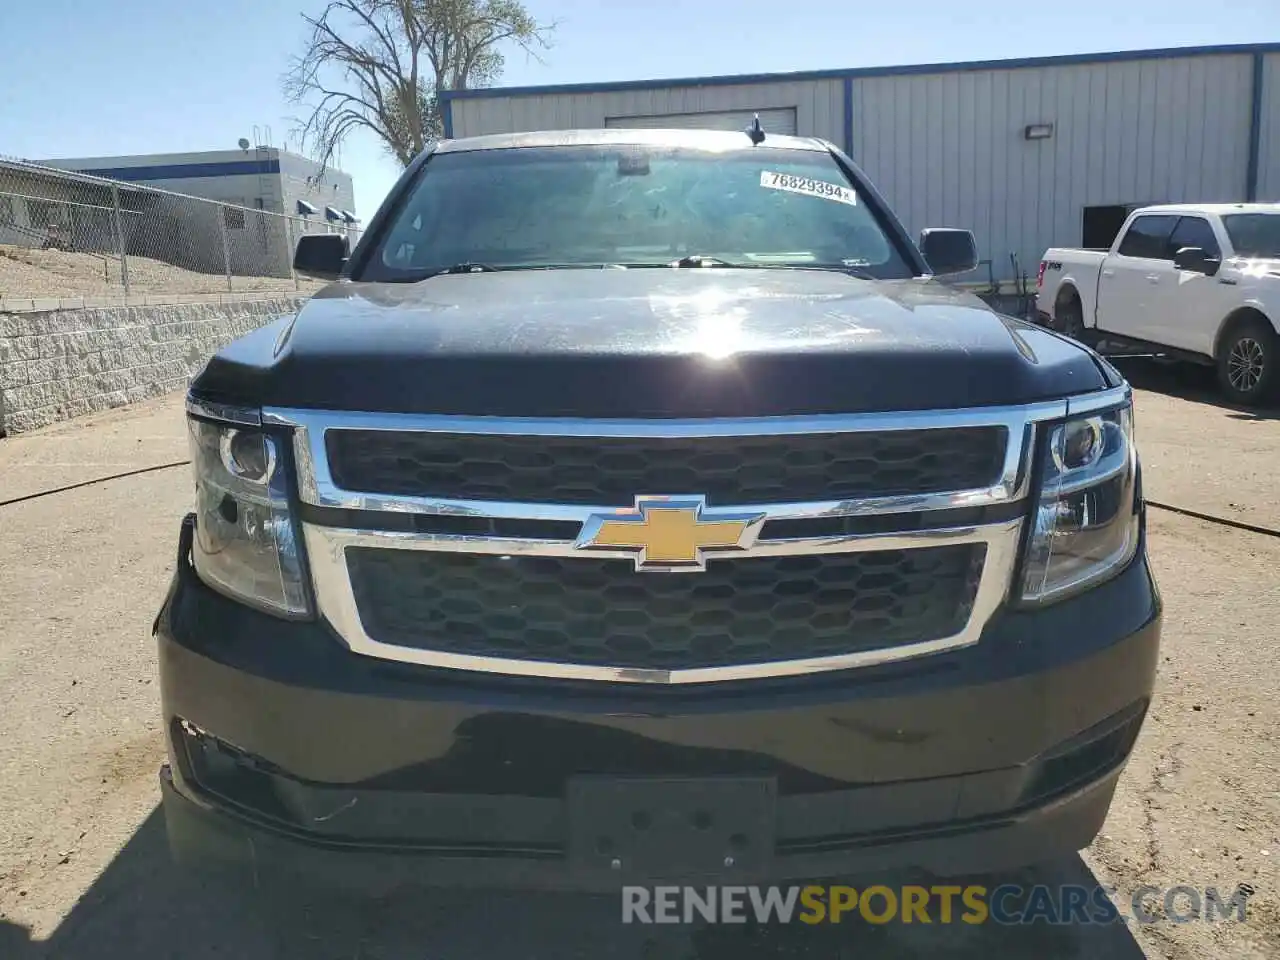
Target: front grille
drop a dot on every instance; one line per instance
(598, 612)
(613, 470)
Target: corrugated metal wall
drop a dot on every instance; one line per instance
(781, 121)
(1269, 140)
(948, 149)
(819, 106)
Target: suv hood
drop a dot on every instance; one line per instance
(647, 343)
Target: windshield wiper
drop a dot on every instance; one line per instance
(471, 266)
(697, 260)
(860, 272)
(701, 260)
(467, 266)
(690, 261)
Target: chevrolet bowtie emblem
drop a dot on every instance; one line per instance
(670, 533)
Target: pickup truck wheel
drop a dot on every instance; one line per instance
(1070, 316)
(1247, 362)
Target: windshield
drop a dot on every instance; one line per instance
(633, 205)
(1254, 234)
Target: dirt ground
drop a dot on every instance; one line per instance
(27, 272)
(83, 868)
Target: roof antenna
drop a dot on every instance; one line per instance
(755, 131)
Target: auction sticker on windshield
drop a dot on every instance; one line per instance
(808, 186)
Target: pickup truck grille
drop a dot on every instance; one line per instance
(474, 543)
(602, 613)
(612, 470)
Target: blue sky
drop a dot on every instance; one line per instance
(150, 76)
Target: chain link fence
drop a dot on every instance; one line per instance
(66, 234)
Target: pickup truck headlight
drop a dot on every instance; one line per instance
(245, 545)
(1086, 518)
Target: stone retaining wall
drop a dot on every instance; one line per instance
(57, 364)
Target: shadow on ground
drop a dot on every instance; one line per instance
(142, 907)
(1187, 381)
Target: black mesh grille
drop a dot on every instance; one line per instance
(602, 612)
(612, 471)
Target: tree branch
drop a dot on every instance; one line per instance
(366, 62)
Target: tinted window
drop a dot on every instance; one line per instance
(633, 205)
(1193, 232)
(1147, 237)
(1254, 234)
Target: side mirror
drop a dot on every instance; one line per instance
(1194, 258)
(949, 251)
(322, 255)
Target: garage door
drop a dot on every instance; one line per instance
(773, 121)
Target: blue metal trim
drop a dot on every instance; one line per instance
(182, 171)
(1255, 130)
(446, 114)
(447, 96)
(848, 117)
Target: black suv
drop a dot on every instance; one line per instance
(637, 505)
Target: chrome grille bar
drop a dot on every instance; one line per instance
(327, 545)
(318, 488)
(326, 548)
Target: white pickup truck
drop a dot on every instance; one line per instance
(1197, 282)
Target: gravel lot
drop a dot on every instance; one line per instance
(83, 869)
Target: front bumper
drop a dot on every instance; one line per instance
(287, 751)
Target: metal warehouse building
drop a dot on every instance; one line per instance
(1026, 153)
(265, 178)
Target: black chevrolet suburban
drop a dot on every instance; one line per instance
(638, 506)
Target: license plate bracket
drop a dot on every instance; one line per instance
(670, 828)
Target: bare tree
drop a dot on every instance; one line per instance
(382, 64)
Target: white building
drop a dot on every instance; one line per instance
(265, 178)
(1026, 153)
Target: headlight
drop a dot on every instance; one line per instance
(244, 544)
(1086, 520)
